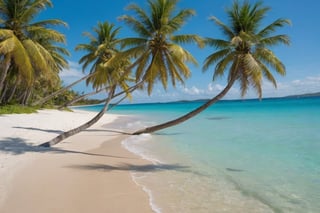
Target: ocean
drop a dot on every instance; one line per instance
(237, 156)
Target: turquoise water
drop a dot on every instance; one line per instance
(237, 156)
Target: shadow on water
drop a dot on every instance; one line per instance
(19, 146)
(168, 134)
(135, 168)
(234, 170)
(217, 118)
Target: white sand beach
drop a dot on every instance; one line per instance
(88, 172)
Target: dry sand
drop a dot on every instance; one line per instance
(88, 172)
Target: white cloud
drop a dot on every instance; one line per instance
(74, 70)
(215, 87)
(309, 84)
(70, 73)
(73, 73)
(193, 91)
(209, 91)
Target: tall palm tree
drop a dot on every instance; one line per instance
(244, 54)
(28, 47)
(103, 47)
(158, 55)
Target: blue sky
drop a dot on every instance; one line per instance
(301, 58)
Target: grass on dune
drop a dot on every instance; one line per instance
(17, 109)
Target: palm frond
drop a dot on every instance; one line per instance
(50, 22)
(21, 61)
(142, 16)
(176, 22)
(222, 65)
(266, 72)
(269, 58)
(29, 9)
(132, 42)
(275, 40)
(136, 25)
(214, 57)
(225, 29)
(142, 65)
(187, 39)
(7, 46)
(271, 28)
(217, 43)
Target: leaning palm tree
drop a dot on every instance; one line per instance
(60, 91)
(102, 48)
(244, 54)
(82, 97)
(158, 55)
(21, 49)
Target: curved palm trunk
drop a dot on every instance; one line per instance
(2, 79)
(84, 126)
(131, 89)
(12, 92)
(4, 71)
(188, 115)
(52, 95)
(117, 103)
(26, 96)
(82, 97)
(4, 94)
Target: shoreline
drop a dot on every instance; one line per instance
(90, 171)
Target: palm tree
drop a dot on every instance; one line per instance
(244, 53)
(101, 49)
(28, 48)
(81, 97)
(158, 55)
(60, 91)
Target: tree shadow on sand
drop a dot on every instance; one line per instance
(19, 146)
(117, 132)
(134, 168)
(38, 129)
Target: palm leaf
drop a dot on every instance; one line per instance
(187, 39)
(271, 28)
(225, 29)
(275, 40)
(214, 57)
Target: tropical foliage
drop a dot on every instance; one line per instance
(244, 54)
(157, 51)
(30, 52)
(103, 48)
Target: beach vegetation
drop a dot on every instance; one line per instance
(17, 109)
(245, 54)
(57, 92)
(31, 52)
